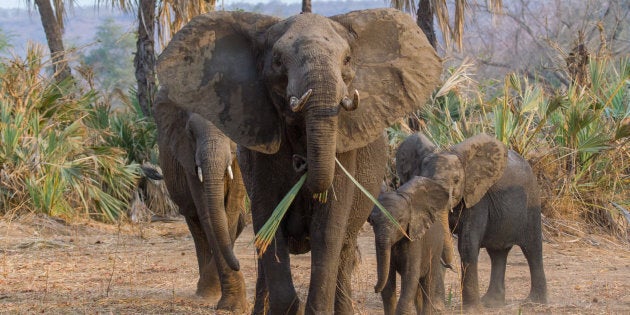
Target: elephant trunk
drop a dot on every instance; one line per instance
(383, 257)
(321, 131)
(214, 215)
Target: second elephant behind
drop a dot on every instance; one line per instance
(495, 202)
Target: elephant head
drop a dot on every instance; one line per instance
(466, 170)
(338, 80)
(415, 205)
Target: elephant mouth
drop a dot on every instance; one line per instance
(299, 163)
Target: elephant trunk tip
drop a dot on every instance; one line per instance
(234, 264)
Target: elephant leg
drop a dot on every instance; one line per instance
(533, 254)
(469, 253)
(371, 179)
(409, 279)
(343, 294)
(433, 288)
(389, 293)
(473, 224)
(328, 231)
(275, 292)
(276, 268)
(261, 300)
(495, 296)
(209, 285)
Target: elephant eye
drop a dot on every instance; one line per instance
(346, 60)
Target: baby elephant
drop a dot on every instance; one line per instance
(414, 206)
(495, 203)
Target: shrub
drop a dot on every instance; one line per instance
(54, 157)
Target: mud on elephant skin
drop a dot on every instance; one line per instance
(415, 206)
(204, 180)
(495, 203)
(312, 87)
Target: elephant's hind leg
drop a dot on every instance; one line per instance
(533, 254)
(495, 296)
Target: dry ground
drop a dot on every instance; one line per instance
(51, 267)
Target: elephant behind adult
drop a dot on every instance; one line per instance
(415, 206)
(204, 180)
(304, 91)
(496, 205)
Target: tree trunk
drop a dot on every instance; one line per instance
(425, 21)
(144, 60)
(306, 6)
(55, 42)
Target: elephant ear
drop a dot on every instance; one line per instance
(396, 69)
(410, 154)
(428, 199)
(210, 68)
(484, 159)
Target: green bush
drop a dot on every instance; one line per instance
(55, 158)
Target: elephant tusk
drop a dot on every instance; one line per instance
(298, 104)
(353, 104)
(199, 174)
(229, 170)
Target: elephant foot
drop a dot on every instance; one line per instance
(537, 297)
(474, 308)
(236, 304)
(294, 308)
(493, 301)
(210, 292)
(233, 297)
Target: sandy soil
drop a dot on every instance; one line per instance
(54, 268)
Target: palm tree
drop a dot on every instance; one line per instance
(428, 9)
(169, 16)
(52, 15)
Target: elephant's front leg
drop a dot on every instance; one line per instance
(208, 285)
(275, 263)
(469, 252)
(274, 283)
(328, 230)
(409, 283)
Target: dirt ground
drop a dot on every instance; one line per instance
(51, 267)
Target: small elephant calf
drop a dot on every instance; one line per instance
(414, 206)
(495, 203)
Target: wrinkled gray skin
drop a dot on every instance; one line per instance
(304, 91)
(496, 205)
(415, 206)
(194, 156)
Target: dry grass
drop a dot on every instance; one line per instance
(58, 268)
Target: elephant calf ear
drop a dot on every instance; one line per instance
(428, 198)
(484, 158)
(210, 68)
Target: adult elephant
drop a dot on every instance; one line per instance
(204, 180)
(287, 91)
(495, 203)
